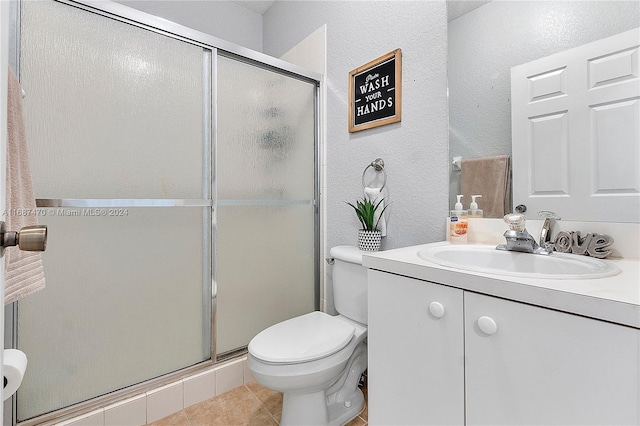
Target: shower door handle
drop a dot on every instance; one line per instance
(29, 238)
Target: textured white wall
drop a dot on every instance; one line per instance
(415, 150)
(223, 19)
(485, 43)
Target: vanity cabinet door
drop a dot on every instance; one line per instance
(416, 352)
(539, 366)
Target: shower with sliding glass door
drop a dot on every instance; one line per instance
(178, 178)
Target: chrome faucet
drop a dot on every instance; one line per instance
(519, 239)
(547, 228)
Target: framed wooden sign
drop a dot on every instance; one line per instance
(375, 92)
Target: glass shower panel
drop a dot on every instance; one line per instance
(113, 111)
(265, 183)
(119, 108)
(123, 304)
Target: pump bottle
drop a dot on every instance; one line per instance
(474, 211)
(458, 224)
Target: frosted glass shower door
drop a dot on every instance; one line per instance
(265, 178)
(116, 120)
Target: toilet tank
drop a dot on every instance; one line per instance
(349, 283)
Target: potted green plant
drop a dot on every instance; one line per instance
(369, 236)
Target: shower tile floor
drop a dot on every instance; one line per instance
(250, 404)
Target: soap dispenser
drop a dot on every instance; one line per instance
(474, 211)
(458, 224)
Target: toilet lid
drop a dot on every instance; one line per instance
(302, 339)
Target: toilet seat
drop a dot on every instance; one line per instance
(305, 338)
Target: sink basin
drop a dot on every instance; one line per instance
(486, 259)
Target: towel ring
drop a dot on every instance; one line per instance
(378, 166)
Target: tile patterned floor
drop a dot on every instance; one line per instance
(251, 405)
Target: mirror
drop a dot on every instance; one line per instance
(486, 39)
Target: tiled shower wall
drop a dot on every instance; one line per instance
(168, 399)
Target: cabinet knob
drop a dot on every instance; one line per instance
(436, 309)
(487, 325)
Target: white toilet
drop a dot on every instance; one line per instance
(316, 359)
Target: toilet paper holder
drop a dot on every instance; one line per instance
(14, 366)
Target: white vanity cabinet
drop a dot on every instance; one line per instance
(546, 367)
(416, 357)
(530, 365)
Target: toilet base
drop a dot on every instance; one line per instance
(340, 414)
(336, 405)
(304, 409)
(312, 409)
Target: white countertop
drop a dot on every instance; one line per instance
(615, 298)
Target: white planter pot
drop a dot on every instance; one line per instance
(369, 240)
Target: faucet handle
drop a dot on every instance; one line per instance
(515, 221)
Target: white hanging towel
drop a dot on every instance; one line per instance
(375, 195)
